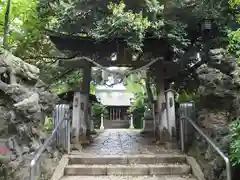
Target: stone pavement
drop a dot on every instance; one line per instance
(124, 141)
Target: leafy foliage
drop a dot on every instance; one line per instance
(121, 23)
(134, 83)
(234, 42)
(65, 83)
(235, 142)
(25, 28)
(235, 4)
(138, 101)
(27, 39)
(184, 97)
(137, 108)
(96, 111)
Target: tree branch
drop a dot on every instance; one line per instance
(50, 57)
(55, 78)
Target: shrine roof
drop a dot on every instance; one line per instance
(114, 97)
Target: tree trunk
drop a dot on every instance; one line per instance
(6, 25)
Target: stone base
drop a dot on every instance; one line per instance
(164, 138)
(74, 140)
(149, 126)
(116, 124)
(75, 145)
(164, 135)
(93, 132)
(171, 145)
(82, 140)
(147, 133)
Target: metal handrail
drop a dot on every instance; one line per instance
(225, 158)
(41, 150)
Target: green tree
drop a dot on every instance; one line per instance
(27, 39)
(235, 5)
(234, 42)
(25, 27)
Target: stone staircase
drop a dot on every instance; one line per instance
(124, 167)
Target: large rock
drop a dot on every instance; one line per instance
(16, 66)
(24, 103)
(219, 104)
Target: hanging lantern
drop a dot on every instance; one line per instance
(206, 24)
(208, 28)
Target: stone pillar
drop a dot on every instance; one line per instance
(162, 118)
(162, 123)
(78, 124)
(144, 125)
(86, 90)
(131, 122)
(92, 129)
(76, 118)
(102, 119)
(171, 116)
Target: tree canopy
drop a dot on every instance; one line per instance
(178, 21)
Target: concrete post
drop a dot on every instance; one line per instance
(102, 119)
(76, 117)
(131, 122)
(171, 116)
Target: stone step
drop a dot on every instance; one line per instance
(128, 178)
(129, 159)
(127, 170)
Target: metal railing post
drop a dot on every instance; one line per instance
(214, 146)
(68, 136)
(182, 135)
(187, 109)
(61, 132)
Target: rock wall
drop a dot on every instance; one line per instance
(214, 124)
(24, 103)
(219, 104)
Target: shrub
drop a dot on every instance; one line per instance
(235, 142)
(96, 111)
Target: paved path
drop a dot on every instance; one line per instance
(128, 178)
(124, 141)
